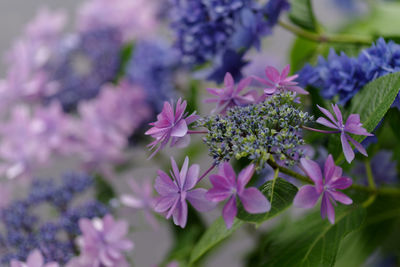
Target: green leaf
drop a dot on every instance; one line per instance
(303, 51)
(301, 13)
(383, 20)
(311, 241)
(215, 234)
(103, 189)
(382, 218)
(125, 56)
(371, 102)
(280, 194)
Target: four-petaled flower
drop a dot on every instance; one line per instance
(102, 242)
(230, 96)
(352, 125)
(174, 192)
(35, 259)
(225, 186)
(172, 126)
(280, 81)
(325, 185)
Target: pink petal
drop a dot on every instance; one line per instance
(131, 201)
(168, 112)
(272, 74)
(191, 177)
(347, 150)
(307, 197)
(328, 114)
(228, 80)
(298, 90)
(263, 81)
(164, 185)
(180, 109)
(245, 176)
(243, 84)
(218, 194)
(222, 182)
(269, 90)
(358, 146)
(35, 259)
(285, 72)
(340, 197)
(338, 113)
(254, 201)
(228, 172)
(329, 169)
(180, 214)
(326, 123)
(165, 203)
(87, 228)
(197, 198)
(229, 212)
(180, 129)
(214, 91)
(192, 118)
(176, 173)
(183, 174)
(341, 183)
(327, 209)
(312, 169)
(118, 231)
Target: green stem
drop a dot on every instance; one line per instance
(327, 38)
(391, 191)
(370, 176)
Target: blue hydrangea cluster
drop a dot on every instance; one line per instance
(258, 132)
(82, 64)
(343, 76)
(152, 66)
(207, 29)
(25, 229)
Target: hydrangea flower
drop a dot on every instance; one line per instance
(226, 186)
(273, 10)
(279, 81)
(103, 242)
(353, 125)
(230, 96)
(142, 198)
(176, 191)
(133, 19)
(325, 185)
(171, 125)
(35, 259)
(344, 76)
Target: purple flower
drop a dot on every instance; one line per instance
(230, 96)
(141, 199)
(174, 192)
(103, 242)
(172, 126)
(352, 125)
(225, 186)
(325, 185)
(280, 81)
(35, 259)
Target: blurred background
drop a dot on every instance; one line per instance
(151, 246)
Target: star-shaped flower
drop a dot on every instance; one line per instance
(325, 185)
(280, 81)
(172, 126)
(229, 96)
(174, 192)
(352, 125)
(226, 186)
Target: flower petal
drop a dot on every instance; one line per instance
(229, 212)
(326, 123)
(338, 113)
(307, 197)
(347, 150)
(254, 201)
(197, 198)
(180, 129)
(342, 198)
(191, 177)
(358, 146)
(341, 183)
(244, 177)
(272, 74)
(312, 169)
(164, 185)
(228, 80)
(180, 214)
(328, 114)
(327, 209)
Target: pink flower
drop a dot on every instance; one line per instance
(325, 185)
(280, 81)
(172, 126)
(225, 186)
(141, 199)
(35, 259)
(103, 242)
(133, 18)
(352, 125)
(230, 96)
(174, 192)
